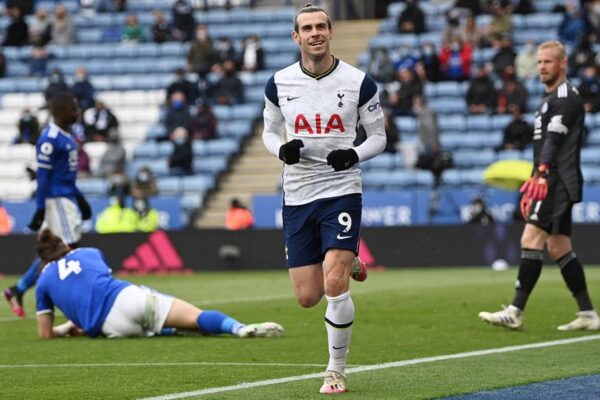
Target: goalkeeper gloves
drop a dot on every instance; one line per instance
(289, 152)
(342, 159)
(84, 207)
(535, 189)
(37, 220)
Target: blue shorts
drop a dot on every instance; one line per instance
(312, 229)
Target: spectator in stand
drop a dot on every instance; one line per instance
(118, 185)
(17, 31)
(223, 51)
(40, 28)
(183, 85)
(2, 64)
(144, 184)
(473, 7)
(238, 216)
(25, 6)
(252, 57)
(482, 95)
(132, 32)
(391, 133)
(229, 89)
(180, 161)
(56, 84)
(183, 20)
(147, 217)
(100, 123)
(512, 93)
(29, 128)
(178, 113)
(573, 25)
(517, 134)
(83, 160)
(203, 125)
(526, 62)
(501, 25)
(63, 28)
(582, 56)
(505, 56)
(161, 28)
(412, 18)
(405, 59)
(380, 65)
(6, 223)
(38, 63)
(82, 89)
(400, 93)
(455, 60)
(116, 218)
(524, 7)
(200, 56)
(589, 89)
(460, 24)
(428, 67)
(113, 159)
(593, 16)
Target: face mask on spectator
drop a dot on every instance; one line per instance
(177, 104)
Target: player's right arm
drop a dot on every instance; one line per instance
(274, 122)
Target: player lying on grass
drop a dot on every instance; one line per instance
(80, 284)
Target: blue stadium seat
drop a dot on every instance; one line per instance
(479, 123)
(200, 148)
(224, 146)
(500, 121)
(212, 165)
(169, 186)
(93, 187)
(406, 124)
(452, 123)
(164, 149)
(590, 155)
(146, 150)
(191, 201)
(197, 183)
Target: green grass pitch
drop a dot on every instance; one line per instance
(400, 315)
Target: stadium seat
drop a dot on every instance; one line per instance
(169, 186)
(93, 187)
(197, 183)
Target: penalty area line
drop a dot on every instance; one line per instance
(375, 367)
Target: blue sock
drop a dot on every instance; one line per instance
(29, 278)
(215, 322)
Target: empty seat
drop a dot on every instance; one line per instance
(169, 186)
(197, 183)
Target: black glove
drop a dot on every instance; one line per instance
(289, 152)
(37, 220)
(84, 207)
(342, 159)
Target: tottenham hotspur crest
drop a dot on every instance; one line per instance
(340, 96)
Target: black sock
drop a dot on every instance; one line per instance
(529, 273)
(572, 272)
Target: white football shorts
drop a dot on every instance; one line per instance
(63, 218)
(137, 311)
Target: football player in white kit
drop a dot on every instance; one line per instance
(318, 102)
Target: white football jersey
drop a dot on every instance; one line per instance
(323, 111)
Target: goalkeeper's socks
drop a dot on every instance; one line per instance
(529, 273)
(572, 272)
(29, 278)
(216, 322)
(339, 317)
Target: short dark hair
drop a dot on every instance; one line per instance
(310, 8)
(61, 99)
(50, 247)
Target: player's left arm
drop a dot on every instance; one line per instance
(371, 117)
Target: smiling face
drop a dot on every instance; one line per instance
(313, 35)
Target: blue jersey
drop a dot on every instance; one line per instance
(80, 284)
(56, 154)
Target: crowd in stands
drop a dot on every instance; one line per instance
(497, 85)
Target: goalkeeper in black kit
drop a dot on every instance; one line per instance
(548, 196)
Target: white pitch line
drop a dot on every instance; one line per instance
(161, 364)
(375, 367)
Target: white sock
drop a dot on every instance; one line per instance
(338, 321)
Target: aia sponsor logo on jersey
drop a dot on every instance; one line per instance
(304, 124)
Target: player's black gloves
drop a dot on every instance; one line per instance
(289, 152)
(342, 159)
(84, 207)
(37, 220)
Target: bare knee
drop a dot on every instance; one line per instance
(309, 300)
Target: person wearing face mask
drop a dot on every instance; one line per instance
(182, 84)
(147, 217)
(252, 56)
(411, 19)
(183, 20)
(223, 51)
(455, 60)
(428, 66)
(505, 56)
(582, 56)
(180, 161)
(380, 65)
(589, 89)
(229, 89)
(29, 128)
(56, 84)
(100, 122)
(82, 89)
(512, 93)
(405, 59)
(201, 54)
(17, 32)
(178, 114)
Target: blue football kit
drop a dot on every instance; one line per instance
(80, 284)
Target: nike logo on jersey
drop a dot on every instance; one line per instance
(341, 237)
(289, 98)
